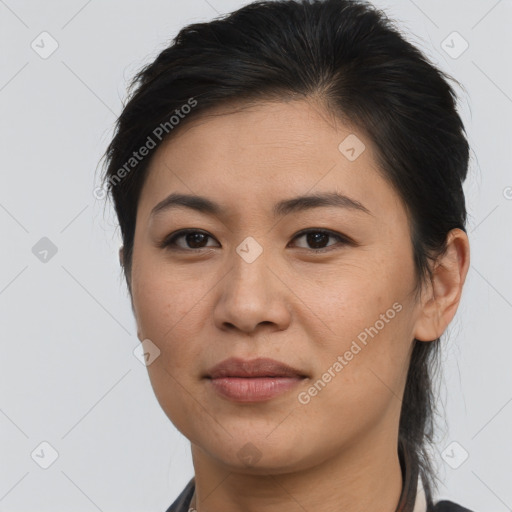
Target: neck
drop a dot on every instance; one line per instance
(366, 476)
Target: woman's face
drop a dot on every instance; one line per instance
(250, 284)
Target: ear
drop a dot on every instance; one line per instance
(439, 304)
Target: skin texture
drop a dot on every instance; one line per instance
(200, 306)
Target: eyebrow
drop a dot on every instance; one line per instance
(204, 205)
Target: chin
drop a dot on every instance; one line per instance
(255, 453)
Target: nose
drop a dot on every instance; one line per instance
(252, 294)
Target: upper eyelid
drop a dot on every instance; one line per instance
(320, 230)
(182, 232)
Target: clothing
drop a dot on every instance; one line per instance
(412, 499)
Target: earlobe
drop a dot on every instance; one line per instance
(448, 276)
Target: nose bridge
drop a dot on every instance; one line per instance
(250, 249)
(250, 272)
(249, 294)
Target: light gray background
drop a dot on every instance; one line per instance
(68, 373)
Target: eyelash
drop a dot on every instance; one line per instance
(169, 241)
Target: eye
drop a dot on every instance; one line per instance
(193, 238)
(318, 239)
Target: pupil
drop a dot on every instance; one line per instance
(316, 238)
(194, 239)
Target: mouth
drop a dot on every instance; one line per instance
(253, 380)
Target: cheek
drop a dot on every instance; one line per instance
(168, 313)
(166, 309)
(364, 308)
(162, 297)
(355, 294)
(361, 365)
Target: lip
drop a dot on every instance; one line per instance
(254, 380)
(260, 367)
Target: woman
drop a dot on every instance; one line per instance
(288, 183)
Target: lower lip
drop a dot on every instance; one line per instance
(242, 389)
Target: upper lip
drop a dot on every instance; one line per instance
(260, 367)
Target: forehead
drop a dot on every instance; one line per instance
(289, 128)
(257, 154)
